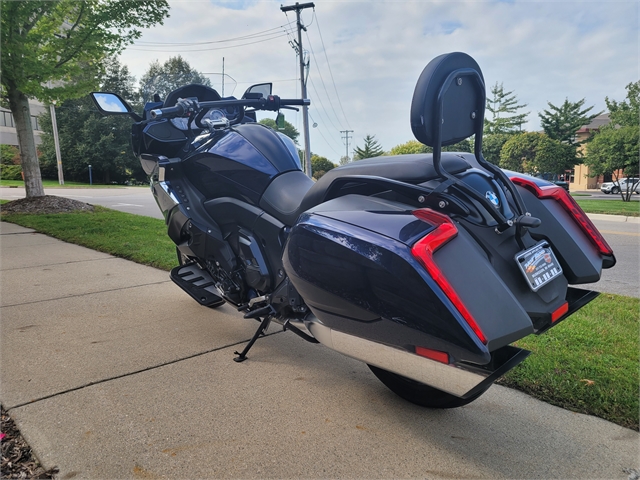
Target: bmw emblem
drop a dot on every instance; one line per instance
(493, 198)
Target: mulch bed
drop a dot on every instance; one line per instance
(18, 460)
(45, 204)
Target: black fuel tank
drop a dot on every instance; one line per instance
(242, 162)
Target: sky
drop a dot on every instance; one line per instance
(366, 56)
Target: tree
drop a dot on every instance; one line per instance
(371, 149)
(412, 146)
(164, 78)
(289, 130)
(536, 153)
(52, 50)
(561, 123)
(88, 138)
(626, 113)
(320, 166)
(504, 117)
(492, 145)
(615, 148)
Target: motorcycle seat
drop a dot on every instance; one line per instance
(293, 193)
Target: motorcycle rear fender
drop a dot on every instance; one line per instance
(350, 258)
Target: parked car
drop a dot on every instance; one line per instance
(624, 184)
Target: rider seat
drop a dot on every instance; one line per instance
(292, 193)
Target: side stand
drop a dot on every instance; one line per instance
(242, 356)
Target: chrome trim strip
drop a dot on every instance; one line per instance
(448, 378)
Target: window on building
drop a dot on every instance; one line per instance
(6, 120)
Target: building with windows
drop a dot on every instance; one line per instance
(8, 135)
(580, 178)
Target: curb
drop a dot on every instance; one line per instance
(613, 218)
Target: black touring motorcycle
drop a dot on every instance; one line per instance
(426, 267)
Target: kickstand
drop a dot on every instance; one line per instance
(242, 356)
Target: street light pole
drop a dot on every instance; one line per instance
(56, 141)
(305, 111)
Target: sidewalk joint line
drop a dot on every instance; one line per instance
(65, 263)
(117, 377)
(85, 294)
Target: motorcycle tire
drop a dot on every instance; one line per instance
(419, 393)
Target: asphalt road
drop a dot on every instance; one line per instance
(624, 238)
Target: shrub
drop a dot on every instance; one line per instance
(11, 172)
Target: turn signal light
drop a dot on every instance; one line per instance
(423, 251)
(567, 202)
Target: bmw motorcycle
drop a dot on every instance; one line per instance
(427, 267)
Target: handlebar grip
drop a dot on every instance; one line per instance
(295, 101)
(167, 112)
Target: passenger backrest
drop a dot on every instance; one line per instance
(449, 100)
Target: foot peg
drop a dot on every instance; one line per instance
(197, 283)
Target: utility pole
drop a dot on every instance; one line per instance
(346, 138)
(305, 112)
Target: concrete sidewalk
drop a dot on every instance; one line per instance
(111, 371)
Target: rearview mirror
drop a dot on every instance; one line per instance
(110, 103)
(261, 90)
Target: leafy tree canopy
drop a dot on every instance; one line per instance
(289, 130)
(503, 107)
(413, 146)
(164, 78)
(371, 149)
(492, 145)
(616, 147)
(626, 113)
(52, 50)
(320, 166)
(536, 153)
(561, 123)
(88, 138)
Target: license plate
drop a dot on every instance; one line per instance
(539, 265)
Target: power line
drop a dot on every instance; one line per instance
(185, 44)
(330, 72)
(322, 80)
(207, 49)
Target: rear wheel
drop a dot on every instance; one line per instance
(419, 393)
(615, 190)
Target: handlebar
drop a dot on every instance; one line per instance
(272, 102)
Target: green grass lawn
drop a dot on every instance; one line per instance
(588, 363)
(610, 207)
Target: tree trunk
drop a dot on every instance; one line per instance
(19, 105)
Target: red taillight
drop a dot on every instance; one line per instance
(423, 251)
(438, 356)
(559, 312)
(567, 202)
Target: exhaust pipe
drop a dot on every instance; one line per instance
(461, 380)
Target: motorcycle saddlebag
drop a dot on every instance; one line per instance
(352, 260)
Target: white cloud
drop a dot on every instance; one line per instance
(543, 51)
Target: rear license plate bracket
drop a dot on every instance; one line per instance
(539, 265)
